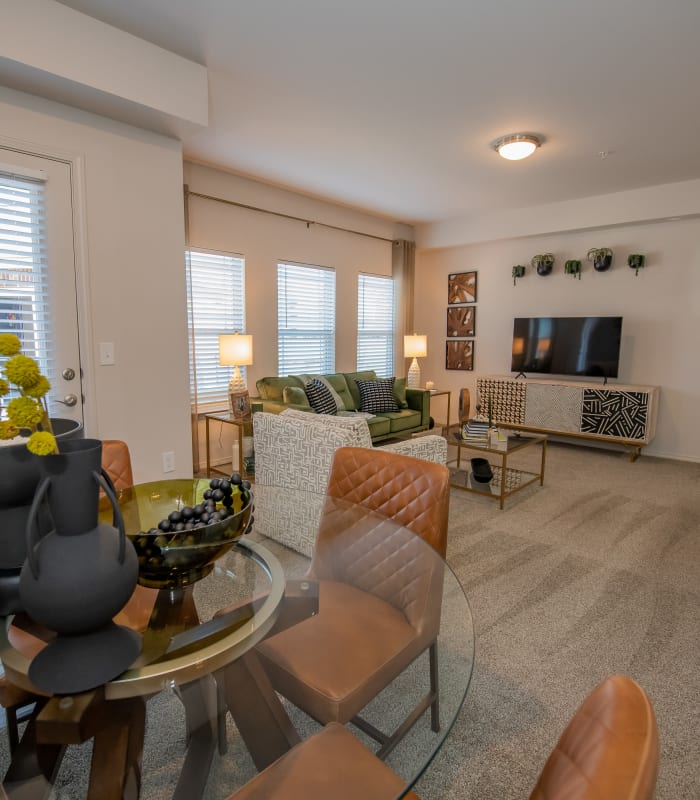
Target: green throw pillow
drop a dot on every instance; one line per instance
(295, 396)
(400, 392)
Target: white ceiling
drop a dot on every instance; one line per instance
(390, 106)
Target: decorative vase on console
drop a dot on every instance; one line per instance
(78, 576)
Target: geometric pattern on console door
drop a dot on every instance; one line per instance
(621, 414)
(507, 399)
(555, 407)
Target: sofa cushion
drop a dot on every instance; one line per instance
(295, 396)
(336, 385)
(377, 397)
(320, 397)
(403, 420)
(400, 392)
(379, 426)
(353, 377)
(272, 388)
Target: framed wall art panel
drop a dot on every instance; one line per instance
(461, 288)
(461, 321)
(459, 354)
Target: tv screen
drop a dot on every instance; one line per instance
(567, 345)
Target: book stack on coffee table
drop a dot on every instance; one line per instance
(476, 431)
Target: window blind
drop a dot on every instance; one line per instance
(24, 279)
(305, 319)
(375, 324)
(216, 304)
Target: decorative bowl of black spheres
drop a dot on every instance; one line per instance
(179, 528)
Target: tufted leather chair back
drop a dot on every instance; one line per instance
(413, 492)
(117, 463)
(375, 552)
(609, 750)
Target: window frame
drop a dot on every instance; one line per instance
(386, 308)
(305, 342)
(209, 380)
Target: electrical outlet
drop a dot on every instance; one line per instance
(168, 461)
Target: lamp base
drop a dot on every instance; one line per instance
(413, 381)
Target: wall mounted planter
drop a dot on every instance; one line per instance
(543, 263)
(573, 267)
(636, 261)
(518, 272)
(601, 258)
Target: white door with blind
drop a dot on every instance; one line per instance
(37, 272)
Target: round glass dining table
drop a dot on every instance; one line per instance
(161, 727)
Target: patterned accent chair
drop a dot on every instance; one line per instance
(293, 455)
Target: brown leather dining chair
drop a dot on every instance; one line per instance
(378, 603)
(608, 751)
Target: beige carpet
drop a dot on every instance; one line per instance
(597, 572)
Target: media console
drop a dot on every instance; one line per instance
(621, 414)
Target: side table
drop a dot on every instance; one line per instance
(507, 479)
(243, 426)
(448, 394)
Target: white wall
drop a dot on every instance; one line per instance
(264, 239)
(660, 309)
(132, 195)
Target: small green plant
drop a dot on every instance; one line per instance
(636, 261)
(573, 267)
(518, 272)
(543, 263)
(601, 257)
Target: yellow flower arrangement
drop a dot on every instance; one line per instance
(29, 410)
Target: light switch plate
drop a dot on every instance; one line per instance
(107, 354)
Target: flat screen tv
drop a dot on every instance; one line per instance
(586, 346)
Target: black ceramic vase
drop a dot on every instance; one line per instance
(19, 477)
(78, 576)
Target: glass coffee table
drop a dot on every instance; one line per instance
(152, 732)
(507, 480)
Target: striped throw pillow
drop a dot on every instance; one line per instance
(320, 397)
(377, 396)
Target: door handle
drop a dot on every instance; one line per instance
(68, 400)
(68, 374)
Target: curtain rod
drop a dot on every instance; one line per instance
(307, 222)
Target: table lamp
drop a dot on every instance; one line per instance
(236, 350)
(415, 347)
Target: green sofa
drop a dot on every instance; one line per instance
(277, 394)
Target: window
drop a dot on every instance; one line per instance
(24, 279)
(305, 319)
(375, 324)
(215, 304)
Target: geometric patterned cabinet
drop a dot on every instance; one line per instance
(624, 415)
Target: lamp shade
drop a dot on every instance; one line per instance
(235, 350)
(415, 346)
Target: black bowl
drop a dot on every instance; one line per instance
(481, 470)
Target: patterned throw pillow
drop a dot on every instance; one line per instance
(320, 398)
(377, 396)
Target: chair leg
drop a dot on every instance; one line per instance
(12, 729)
(434, 688)
(221, 710)
(431, 700)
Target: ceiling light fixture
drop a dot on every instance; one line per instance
(516, 146)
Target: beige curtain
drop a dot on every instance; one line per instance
(403, 262)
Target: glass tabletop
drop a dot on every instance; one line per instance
(184, 639)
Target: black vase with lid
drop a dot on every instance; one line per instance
(79, 576)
